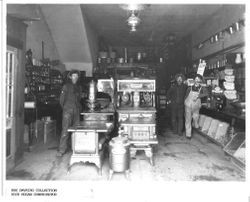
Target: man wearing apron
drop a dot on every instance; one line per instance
(193, 104)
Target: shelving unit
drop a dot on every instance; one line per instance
(221, 54)
(43, 87)
(225, 51)
(44, 83)
(56, 80)
(117, 70)
(38, 78)
(161, 98)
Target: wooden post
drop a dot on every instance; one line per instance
(42, 50)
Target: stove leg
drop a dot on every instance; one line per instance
(99, 166)
(100, 171)
(127, 174)
(149, 154)
(72, 161)
(110, 174)
(132, 153)
(69, 169)
(151, 160)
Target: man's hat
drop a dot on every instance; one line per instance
(73, 71)
(180, 75)
(199, 76)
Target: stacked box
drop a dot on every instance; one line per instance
(202, 120)
(39, 130)
(49, 131)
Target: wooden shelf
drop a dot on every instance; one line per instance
(232, 113)
(131, 65)
(235, 66)
(223, 51)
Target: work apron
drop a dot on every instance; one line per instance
(192, 107)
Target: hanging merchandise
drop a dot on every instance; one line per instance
(201, 67)
(233, 28)
(125, 55)
(238, 58)
(229, 79)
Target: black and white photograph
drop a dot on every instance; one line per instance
(125, 94)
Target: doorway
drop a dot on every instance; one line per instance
(11, 63)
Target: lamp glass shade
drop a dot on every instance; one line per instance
(133, 20)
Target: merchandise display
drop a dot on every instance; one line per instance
(229, 85)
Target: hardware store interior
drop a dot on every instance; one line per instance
(125, 92)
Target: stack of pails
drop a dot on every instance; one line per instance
(119, 154)
(103, 56)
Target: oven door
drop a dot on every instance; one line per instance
(85, 142)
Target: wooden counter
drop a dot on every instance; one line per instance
(231, 116)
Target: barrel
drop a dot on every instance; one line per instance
(119, 154)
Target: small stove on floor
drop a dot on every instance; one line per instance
(136, 114)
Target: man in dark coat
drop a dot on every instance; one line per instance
(175, 99)
(70, 103)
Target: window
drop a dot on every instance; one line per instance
(9, 83)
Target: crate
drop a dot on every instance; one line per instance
(241, 153)
(213, 128)
(26, 134)
(201, 120)
(235, 143)
(49, 131)
(39, 131)
(236, 149)
(222, 134)
(206, 124)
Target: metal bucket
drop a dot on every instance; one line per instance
(119, 154)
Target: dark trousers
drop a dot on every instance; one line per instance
(177, 115)
(70, 118)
